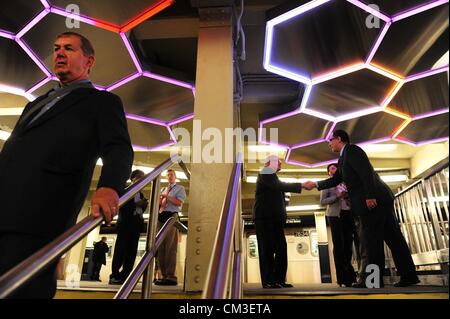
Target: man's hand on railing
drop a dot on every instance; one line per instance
(105, 200)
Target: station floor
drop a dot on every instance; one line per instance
(100, 290)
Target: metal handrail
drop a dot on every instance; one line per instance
(133, 278)
(215, 285)
(236, 275)
(36, 263)
(433, 172)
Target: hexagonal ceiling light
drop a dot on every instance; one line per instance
(48, 8)
(313, 77)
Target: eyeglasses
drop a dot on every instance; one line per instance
(333, 138)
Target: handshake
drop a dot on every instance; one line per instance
(309, 185)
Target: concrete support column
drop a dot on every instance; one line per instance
(214, 109)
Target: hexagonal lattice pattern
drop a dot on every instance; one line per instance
(351, 86)
(42, 36)
(26, 43)
(151, 98)
(297, 41)
(413, 43)
(115, 15)
(350, 93)
(423, 95)
(148, 136)
(304, 126)
(11, 21)
(312, 155)
(372, 127)
(26, 72)
(426, 129)
(396, 8)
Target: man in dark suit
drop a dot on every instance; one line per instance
(47, 163)
(99, 257)
(372, 203)
(269, 214)
(129, 226)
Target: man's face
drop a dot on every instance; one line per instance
(69, 62)
(335, 144)
(279, 166)
(332, 170)
(171, 177)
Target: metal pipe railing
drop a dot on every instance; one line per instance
(151, 235)
(36, 263)
(236, 290)
(145, 261)
(215, 285)
(433, 172)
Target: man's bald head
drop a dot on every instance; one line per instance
(273, 162)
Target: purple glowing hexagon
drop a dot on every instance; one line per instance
(439, 116)
(390, 81)
(311, 82)
(409, 89)
(374, 127)
(313, 129)
(322, 148)
(144, 119)
(302, 9)
(417, 10)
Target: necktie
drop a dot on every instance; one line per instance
(163, 204)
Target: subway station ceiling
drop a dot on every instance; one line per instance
(311, 67)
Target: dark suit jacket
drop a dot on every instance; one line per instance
(127, 210)
(355, 170)
(46, 168)
(269, 197)
(99, 253)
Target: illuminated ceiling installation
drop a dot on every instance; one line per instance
(26, 48)
(359, 89)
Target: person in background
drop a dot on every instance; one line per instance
(269, 214)
(171, 202)
(129, 225)
(99, 257)
(373, 207)
(342, 228)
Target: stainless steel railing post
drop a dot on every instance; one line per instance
(151, 233)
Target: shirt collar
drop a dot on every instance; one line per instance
(59, 87)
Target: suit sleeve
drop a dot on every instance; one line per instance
(116, 151)
(330, 182)
(328, 197)
(360, 163)
(271, 181)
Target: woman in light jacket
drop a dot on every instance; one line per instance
(342, 227)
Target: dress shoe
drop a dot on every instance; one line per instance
(114, 281)
(271, 286)
(285, 285)
(346, 284)
(407, 282)
(166, 282)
